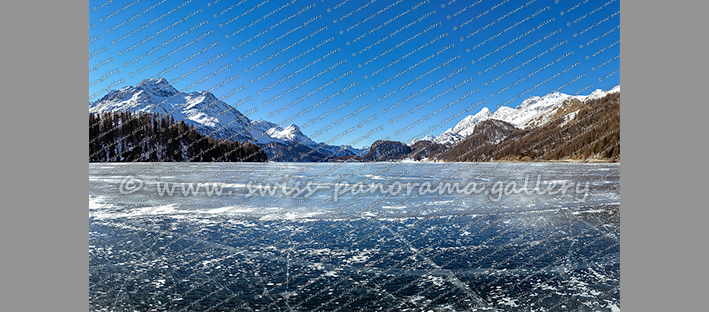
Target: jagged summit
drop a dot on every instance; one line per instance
(156, 82)
(157, 87)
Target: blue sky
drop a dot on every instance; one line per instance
(438, 61)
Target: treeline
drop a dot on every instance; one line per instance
(144, 137)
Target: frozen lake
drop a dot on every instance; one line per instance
(356, 236)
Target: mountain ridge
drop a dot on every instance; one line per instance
(213, 117)
(533, 111)
(572, 130)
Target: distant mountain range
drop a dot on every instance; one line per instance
(553, 127)
(533, 112)
(213, 117)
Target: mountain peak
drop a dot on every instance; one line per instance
(466, 126)
(429, 138)
(542, 100)
(483, 113)
(290, 134)
(292, 128)
(154, 81)
(157, 86)
(599, 93)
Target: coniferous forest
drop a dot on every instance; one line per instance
(144, 137)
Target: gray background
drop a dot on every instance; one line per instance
(44, 156)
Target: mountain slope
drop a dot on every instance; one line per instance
(534, 111)
(423, 149)
(575, 130)
(466, 126)
(481, 143)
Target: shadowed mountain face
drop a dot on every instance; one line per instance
(387, 150)
(478, 146)
(425, 149)
(295, 152)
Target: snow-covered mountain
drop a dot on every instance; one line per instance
(207, 114)
(530, 109)
(534, 111)
(568, 108)
(466, 126)
(448, 137)
(429, 138)
(201, 109)
(600, 93)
